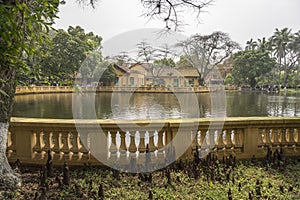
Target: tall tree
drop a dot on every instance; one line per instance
(205, 52)
(19, 21)
(296, 47)
(91, 68)
(280, 40)
(66, 53)
(249, 65)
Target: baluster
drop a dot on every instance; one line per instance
(127, 140)
(267, 137)
(202, 141)
(151, 142)
(297, 136)
(48, 141)
(211, 136)
(66, 145)
(239, 137)
(122, 148)
(292, 136)
(261, 135)
(84, 146)
(160, 138)
(288, 135)
(39, 145)
(8, 142)
(160, 145)
(132, 146)
(122, 154)
(118, 144)
(219, 141)
(198, 138)
(56, 137)
(11, 144)
(228, 142)
(76, 146)
(168, 136)
(113, 145)
(142, 147)
(284, 135)
(277, 136)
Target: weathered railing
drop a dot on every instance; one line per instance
(30, 139)
(142, 89)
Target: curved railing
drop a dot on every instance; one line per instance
(30, 138)
(20, 90)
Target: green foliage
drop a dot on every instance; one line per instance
(108, 75)
(58, 60)
(249, 65)
(182, 186)
(229, 79)
(184, 63)
(284, 47)
(166, 62)
(20, 24)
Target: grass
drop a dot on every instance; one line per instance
(274, 183)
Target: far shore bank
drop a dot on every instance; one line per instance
(22, 90)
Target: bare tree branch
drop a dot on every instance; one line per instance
(165, 10)
(168, 10)
(205, 52)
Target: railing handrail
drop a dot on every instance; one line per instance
(245, 121)
(30, 138)
(20, 90)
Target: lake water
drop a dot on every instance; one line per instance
(157, 106)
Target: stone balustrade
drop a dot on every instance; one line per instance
(20, 90)
(30, 139)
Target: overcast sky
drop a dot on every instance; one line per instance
(242, 19)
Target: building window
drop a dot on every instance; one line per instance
(161, 81)
(176, 82)
(116, 81)
(131, 80)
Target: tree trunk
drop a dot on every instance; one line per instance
(8, 178)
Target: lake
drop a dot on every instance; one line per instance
(157, 106)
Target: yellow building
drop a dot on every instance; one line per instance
(141, 74)
(128, 77)
(167, 76)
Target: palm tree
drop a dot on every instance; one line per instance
(280, 41)
(264, 45)
(295, 45)
(251, 45)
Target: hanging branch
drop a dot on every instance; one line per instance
(165, 10)
(169, 10)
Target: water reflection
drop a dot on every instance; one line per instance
(156, 106)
